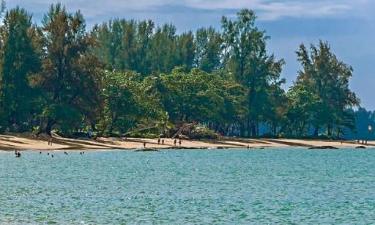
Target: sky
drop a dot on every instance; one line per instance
(348, 25)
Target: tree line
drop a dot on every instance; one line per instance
(127, 76)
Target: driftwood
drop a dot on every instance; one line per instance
(147, 150)
(186, 127)
(323, 147)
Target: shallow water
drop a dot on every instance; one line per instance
(272, 186)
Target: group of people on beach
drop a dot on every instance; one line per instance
(179, 141)
(174, 141)
(161, 141)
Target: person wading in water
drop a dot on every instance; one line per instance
(17, 153)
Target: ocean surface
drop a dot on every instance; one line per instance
(273, 186)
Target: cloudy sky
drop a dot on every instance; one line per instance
(348, 25)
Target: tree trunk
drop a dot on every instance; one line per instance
(316, 131)
(253, 129)
(47, 129)
(329, 130)
(243, 130)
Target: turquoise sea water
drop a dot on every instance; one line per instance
(288, 186)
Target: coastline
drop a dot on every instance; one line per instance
(23, 142)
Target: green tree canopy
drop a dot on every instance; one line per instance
(208, 49)
(247, 59)
(129, 102)
(199, 96)
(325, 79)
(69, 73)
(20, 61)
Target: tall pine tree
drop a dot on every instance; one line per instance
(69, 74)
(20, 61)
(246, 58)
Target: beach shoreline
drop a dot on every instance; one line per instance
(11, 142)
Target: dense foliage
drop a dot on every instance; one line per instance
(127, 77)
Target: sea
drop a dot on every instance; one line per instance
(237, 186)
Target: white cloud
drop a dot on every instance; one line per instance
(275, 11)
(272, 10)
(266, 9)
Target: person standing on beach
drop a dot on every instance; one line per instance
(179, 142)
(175, 142)
(50, 141)
(144, 144)
(159, 141)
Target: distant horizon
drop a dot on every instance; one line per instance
(348, 26)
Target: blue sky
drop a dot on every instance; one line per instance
(348, 25)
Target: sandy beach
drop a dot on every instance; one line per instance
(12, 142)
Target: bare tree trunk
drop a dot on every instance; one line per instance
(316, 131)
(47, 129)
(329, 130)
